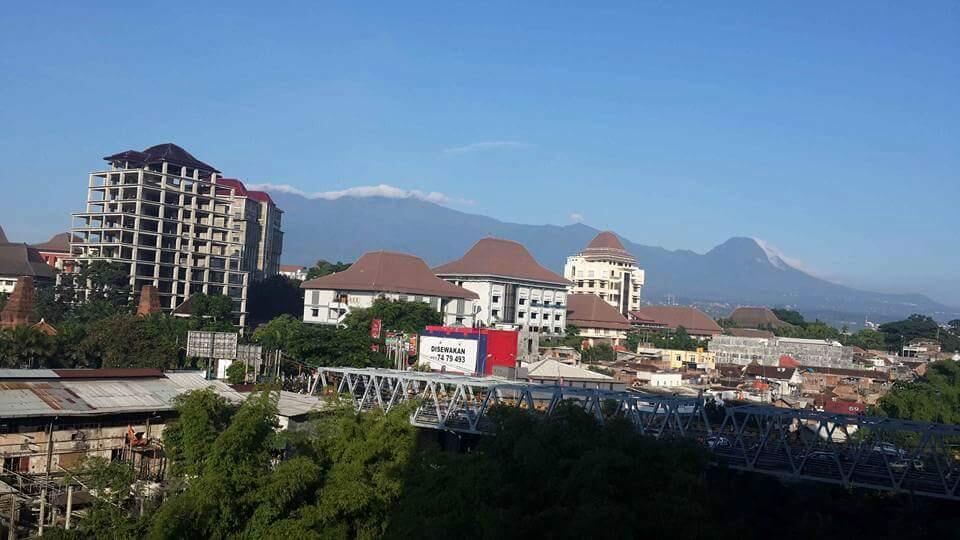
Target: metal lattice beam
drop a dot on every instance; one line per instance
(852, 451)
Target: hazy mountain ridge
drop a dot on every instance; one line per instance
(739, 271)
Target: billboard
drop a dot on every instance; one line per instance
(375, 327)
(457, 354)
(212, 344)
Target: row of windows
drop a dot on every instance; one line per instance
(534, 315)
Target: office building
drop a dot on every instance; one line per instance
(514, 289)
(605, 269)
(384, 274)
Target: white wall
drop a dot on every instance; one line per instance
(325, 306)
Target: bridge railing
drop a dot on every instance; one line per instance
(849, 450)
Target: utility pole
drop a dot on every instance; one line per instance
(12, 533)
(69, 506)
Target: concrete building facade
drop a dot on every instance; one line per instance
(175, 224)
(382, 274)
(767, 351)
(604, 268)
(513, 289)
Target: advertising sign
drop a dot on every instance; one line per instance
(449, 353)
(375, 327)
(412, 346)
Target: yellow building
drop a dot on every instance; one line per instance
(699, 358)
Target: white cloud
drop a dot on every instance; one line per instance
(576, 217)
(484, 146)
(380, 190)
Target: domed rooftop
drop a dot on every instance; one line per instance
(607, 245)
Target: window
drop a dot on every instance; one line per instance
(533, 315)
(556, 317)
(315, 313)
(496, 299)
(590, 274)
(495, 312)
(521, 314)
(523, 301)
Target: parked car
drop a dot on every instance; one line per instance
(715, 442)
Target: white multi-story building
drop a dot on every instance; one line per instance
(513, 288)
(383, 274)
(605, 269)
(173, 223)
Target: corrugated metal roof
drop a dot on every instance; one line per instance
(28, 374)
(84, 397)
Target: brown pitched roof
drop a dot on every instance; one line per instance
(291, 267)
(168, 152)
(385, 271)
(589, 311)
(59, 242)
(755, 317)
(607, 244)
(22, 260)
(692, 319)
(750, 332)
(502, 258)
(770, 372)
(606, 240)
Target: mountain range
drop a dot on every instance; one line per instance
(737, 272)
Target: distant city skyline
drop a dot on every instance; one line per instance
(829, 132)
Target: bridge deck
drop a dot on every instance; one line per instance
(854, 451)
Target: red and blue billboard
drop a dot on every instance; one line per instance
(473, 351)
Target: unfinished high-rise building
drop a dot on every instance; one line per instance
(175, 224)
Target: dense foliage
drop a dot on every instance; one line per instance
(272, 297)
(344, 475)
(677, 340)
(934, 397)
(97, 328)
(350, 343)
(899, 333)
(324, 268)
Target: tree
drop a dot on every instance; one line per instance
(130, 341)
(954, 327)
(274, 296)
(24, 346)
(201, 415)
(215, 307)
(935, 397)
(900, 333)
(237, 373)
(324, 268)
(601, 352)
(866, 339)
(790, 316)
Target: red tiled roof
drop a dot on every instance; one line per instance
(694, 321)
(260, 196)
(500, 258)
(771, 372)
(843, 407)
(385, 271)
(291, 267)
(237, 185)
(787, 361)
(589, 311)
(606, 240)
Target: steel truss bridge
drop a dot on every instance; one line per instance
(918, 458)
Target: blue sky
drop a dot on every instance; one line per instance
(831, 130)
